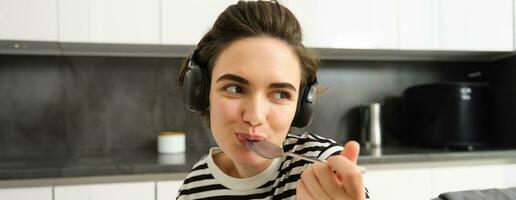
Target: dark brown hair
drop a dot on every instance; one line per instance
(253, 19)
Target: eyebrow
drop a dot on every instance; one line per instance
(239, 79)
(283, 85)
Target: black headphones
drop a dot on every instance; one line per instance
(196, 82)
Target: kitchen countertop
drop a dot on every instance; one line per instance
(151, 163)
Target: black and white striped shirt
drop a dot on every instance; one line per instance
(278, 181)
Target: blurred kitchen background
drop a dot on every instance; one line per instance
(67, 104)
(86, 86)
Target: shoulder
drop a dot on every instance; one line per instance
(198, 176)
(312, 145)
(199, 168)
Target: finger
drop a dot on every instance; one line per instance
(350, 176)
(312, 184)
(351, 151)
(301, 192)
(329, 182)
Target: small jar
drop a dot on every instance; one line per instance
(171, 142)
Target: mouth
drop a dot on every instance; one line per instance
(242, 137)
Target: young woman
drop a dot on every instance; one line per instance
(252, 79)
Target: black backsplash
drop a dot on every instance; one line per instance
(60, 104)
(357, 83)
(502, 76)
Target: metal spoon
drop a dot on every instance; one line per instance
(270, 150)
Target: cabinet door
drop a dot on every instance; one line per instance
(125, 191)
(313, 20)
(28, 193)
(509, 175)
(34, 20)
(352, 24)
(168, 189)
(460, 178)
(109, 21)
(514, 23)
(398, 183)
(480, 25)
(185, 22)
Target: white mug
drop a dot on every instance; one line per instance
(171, 142)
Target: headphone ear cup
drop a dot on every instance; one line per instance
(194, 88)
(306, 107)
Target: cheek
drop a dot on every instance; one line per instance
(224, 110)
(283, 117)
(280, 123)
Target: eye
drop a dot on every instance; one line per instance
(281, 95)
(234, 89)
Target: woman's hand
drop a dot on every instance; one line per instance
(320, 182)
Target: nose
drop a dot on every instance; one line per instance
(255, 111)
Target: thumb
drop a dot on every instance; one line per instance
(351, 151)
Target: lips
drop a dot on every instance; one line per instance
(242, 137)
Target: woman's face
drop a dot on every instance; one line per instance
(253, 95)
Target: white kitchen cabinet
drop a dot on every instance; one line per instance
(185, 22)
(348, 24)
(510, 175)
(26, 193)
(108, 191)
(167, 190)
(401, 184)
(460, 178)
(109, 21)
(30, 20)
(314, 22)
(470, 25)
(428, 180)
(514, 23)
(366, 24)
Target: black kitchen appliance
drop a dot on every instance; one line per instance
(446, 114)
